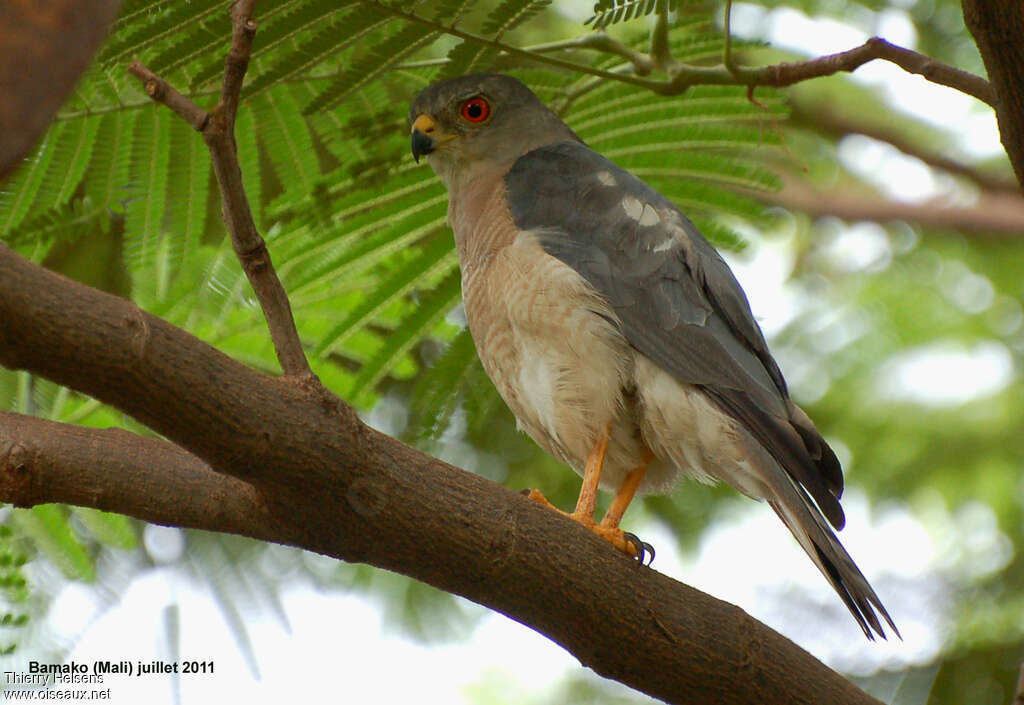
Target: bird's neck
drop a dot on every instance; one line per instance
(479, 217)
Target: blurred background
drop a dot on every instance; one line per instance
(872, 219)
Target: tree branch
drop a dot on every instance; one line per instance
(44, 47)
(997, 216)
(217, 128)
(332, 485)
(115, 470)
(828, 122)
(683, 76)
(997, 27)
(786, 74)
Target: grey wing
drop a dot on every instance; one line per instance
(677, 300)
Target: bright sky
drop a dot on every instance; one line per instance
(334, 647)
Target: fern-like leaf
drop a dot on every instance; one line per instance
(188, 187)
(144, 216)
(468, 57)
(609, 12)
(436, 394)
(287, 25)
(177, 19)
(437, 257)
(249, 161)
(68, 222)
(111, 529)
(429, 311)
(20, 190)
(48, 526)
(337, 33)
(510, 14)
(451, 11)
(286, 140)
(370, 64)
(108, 175)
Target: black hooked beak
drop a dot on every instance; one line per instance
(423, 142)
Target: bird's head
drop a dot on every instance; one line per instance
(480, 121)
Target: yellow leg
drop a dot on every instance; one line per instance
(608, 529)
(591, 479)
(623, 497)
(626, 492)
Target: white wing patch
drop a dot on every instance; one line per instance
(606, 178)
(649, 217)
(633, 207)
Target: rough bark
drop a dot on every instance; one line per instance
(44, 47)
(322, 480)
(998, 29)
(115, 470)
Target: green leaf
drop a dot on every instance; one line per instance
(371, 63)
(609, 12)
(436, 257)
(436, 394)
(107, 177)
(428, 312)
(111, 529)
(48, 526)
(188, 186)
(332, 36)
(173, 21)
(509, 14)
(22, 188)
(145, 244)
(285, 138)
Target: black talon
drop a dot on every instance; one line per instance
(642, 547)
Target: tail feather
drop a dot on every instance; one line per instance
(807, 525)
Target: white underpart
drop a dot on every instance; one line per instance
(538, 381)
(606, 178)
(681, 423)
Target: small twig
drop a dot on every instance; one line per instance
(683, 76)
(787, 74)
(1018, 698)
(727, 58)
(661, 52)
(597, 41)
(217, 128)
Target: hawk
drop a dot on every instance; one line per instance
(616, 334)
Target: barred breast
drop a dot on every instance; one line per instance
(548, 341)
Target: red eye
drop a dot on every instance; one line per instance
(476, 109)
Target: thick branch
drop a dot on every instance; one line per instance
(114, 470)
(340, 488)
(997, 27)
(835, 124)
(994, 215)
(217, 128)
(44, 46)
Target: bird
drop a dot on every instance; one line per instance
(616, 334)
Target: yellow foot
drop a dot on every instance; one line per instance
(536, 496)
(627, 543)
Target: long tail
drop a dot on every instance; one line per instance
(806, 523)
